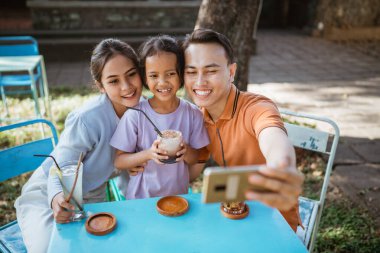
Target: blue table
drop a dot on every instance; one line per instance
(29, 64)
(140, 228)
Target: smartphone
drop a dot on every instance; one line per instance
(228, 184)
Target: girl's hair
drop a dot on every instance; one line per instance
(104, 51)
(161, 43)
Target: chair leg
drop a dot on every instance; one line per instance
(35, 96)
(46, 90)
(314, 233)
(108, 192)
(42, 95)
(3, 98)
(115, 190)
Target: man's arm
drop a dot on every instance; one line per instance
(195, 171)
(280, 176)
(276, 147)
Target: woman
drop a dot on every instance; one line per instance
(114, 69)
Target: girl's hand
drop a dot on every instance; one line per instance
(157, 154)
(136, 170)
(181, 153)
(60, 207)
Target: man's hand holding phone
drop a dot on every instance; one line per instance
(278, 187)
(283, 182)
(221, 184)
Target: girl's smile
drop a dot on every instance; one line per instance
(163, 81)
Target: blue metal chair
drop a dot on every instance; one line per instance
(20, 46)
(321, 141)
(16, 161)
(114, 189)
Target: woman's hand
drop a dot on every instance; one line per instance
(136, 170)
(60, 207)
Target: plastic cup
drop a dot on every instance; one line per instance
(68, 169)
(170, 141)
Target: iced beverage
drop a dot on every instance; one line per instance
(68, 177)
(171, 143)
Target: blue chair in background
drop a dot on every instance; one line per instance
(20, 46)
(322, 141)
(16, 161)
(113, 191)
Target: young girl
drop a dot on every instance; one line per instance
(114, 69)
(135, 138)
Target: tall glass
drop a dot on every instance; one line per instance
(68, 169)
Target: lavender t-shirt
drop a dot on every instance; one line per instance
(135, 133)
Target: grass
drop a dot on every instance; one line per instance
(344, 227)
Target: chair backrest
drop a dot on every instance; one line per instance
(19, 159)
(18, 46)
(314, 140)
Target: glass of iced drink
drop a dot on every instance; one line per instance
(170, 141)
(68, 169)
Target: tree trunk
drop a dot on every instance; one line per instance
(235, 19)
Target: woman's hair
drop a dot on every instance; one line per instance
(162, 43)
(104, 51)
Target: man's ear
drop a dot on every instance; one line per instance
(232, 67)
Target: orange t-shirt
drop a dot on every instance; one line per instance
(244, 117)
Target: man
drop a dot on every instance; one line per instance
(244, 128)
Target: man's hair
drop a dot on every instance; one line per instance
(203, 35)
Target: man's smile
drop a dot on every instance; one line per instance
(202, 92)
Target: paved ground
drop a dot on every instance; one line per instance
(319, 77)
(68, 73)
(314, 76)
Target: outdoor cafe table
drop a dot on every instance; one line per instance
(140, 228)
(28, 64)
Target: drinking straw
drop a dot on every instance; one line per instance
(76, 177)
(73, 198)
(155, 128)
(52, 157)
(63, 186)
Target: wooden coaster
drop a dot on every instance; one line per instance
(172, 206)
(101, 223)
(235, 216)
